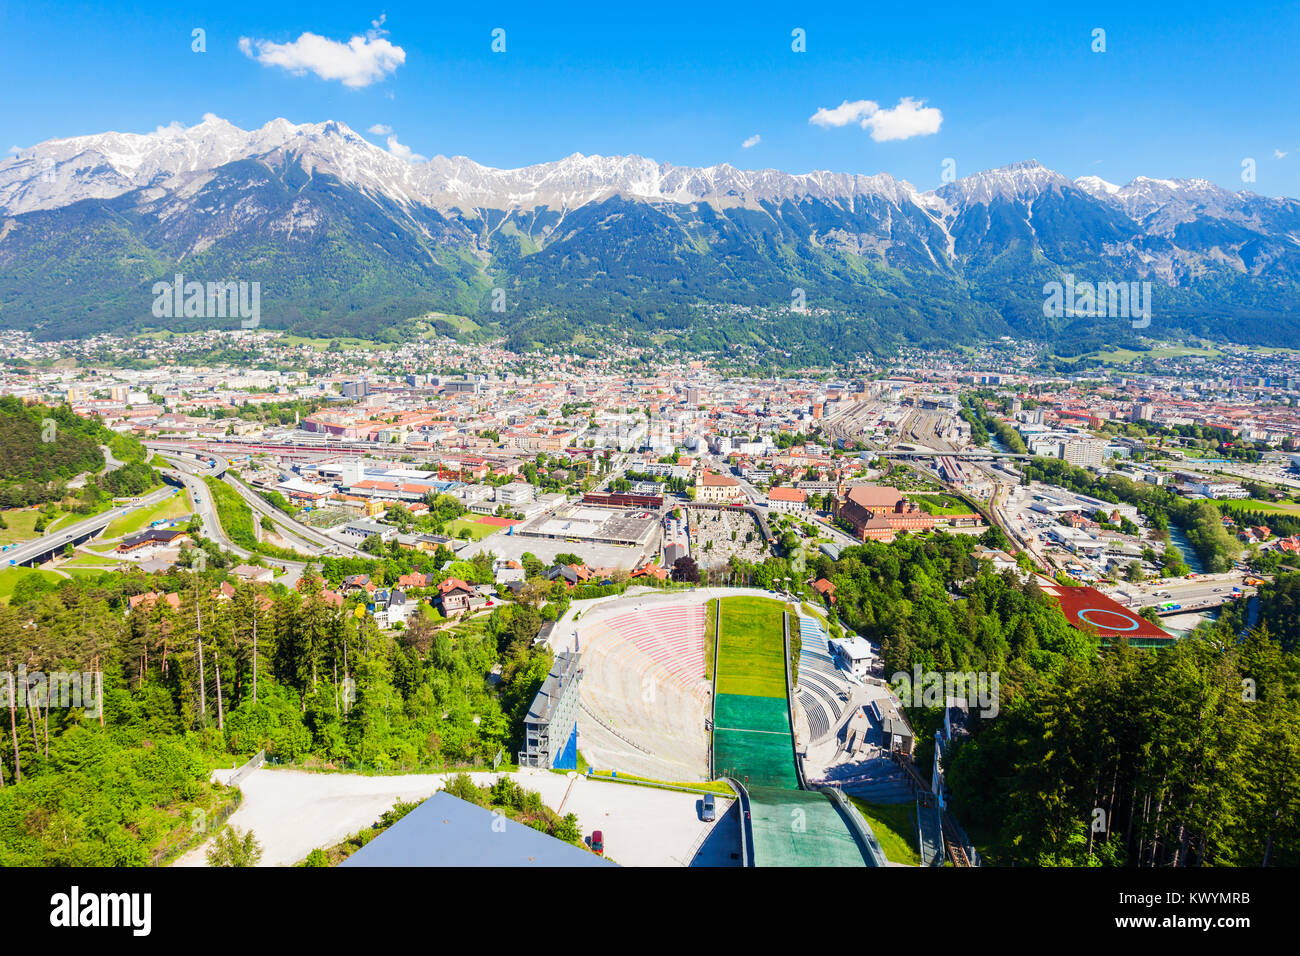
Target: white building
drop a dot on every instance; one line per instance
(515, 493)
(853, 654)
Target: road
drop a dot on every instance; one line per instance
(310, 537)
(192, 473)
(312, 540)
(39, 549)
(1200, 594)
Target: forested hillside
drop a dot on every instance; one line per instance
(1192, 753)
(42, 448)
(215, 680)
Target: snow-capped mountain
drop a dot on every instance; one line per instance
(60, 172)
(338, 226)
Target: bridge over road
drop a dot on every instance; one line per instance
(39, 550)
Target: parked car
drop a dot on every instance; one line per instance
(708, 808)
(598, 842)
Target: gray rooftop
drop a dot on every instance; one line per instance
(448, 831)
(563, 672)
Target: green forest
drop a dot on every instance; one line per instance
(43, 448)
(214, 681)
(1189, 756)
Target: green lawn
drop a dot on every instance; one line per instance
(22, 522)
(1128, 356)
(751, 734)
(9, 578)
(894, 825)
(477, 529)
(1253, 504)
(84, 561)
(233, 513)
(177, 506)
(752, 656)
(321, 345)
(943, 505)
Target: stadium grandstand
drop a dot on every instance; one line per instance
(644, 695)
(821, 684)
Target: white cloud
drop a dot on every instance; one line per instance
(403, 152)
(359, 62)
(844, 114)
(380, 129)
(1279, 154)
(909, 118)
(752, 141)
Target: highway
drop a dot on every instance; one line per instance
(41, 549)
(311, 538)
(1201, 594)
(192, 474)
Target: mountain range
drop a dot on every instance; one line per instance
(346, 237)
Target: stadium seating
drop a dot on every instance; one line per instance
(672, 637)
(820, 681)
(644, 696)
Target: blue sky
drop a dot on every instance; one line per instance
(1178, 92)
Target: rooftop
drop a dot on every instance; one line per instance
(448, 831)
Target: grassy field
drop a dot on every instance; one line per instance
(22, 523)
(1252, 504)
(752, 736)
(941, 504)
(478, 530)
(321, 345)
(1129, 356)
(234, 514)
(752, 657)
(177, 506)
(88, 565)
(10, 577)
(894, 825)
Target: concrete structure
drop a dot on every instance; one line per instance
(515, 493)
(580, 524)
(551, 727)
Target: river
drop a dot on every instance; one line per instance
(1190, 557)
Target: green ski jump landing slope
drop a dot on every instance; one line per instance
(753, 742)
